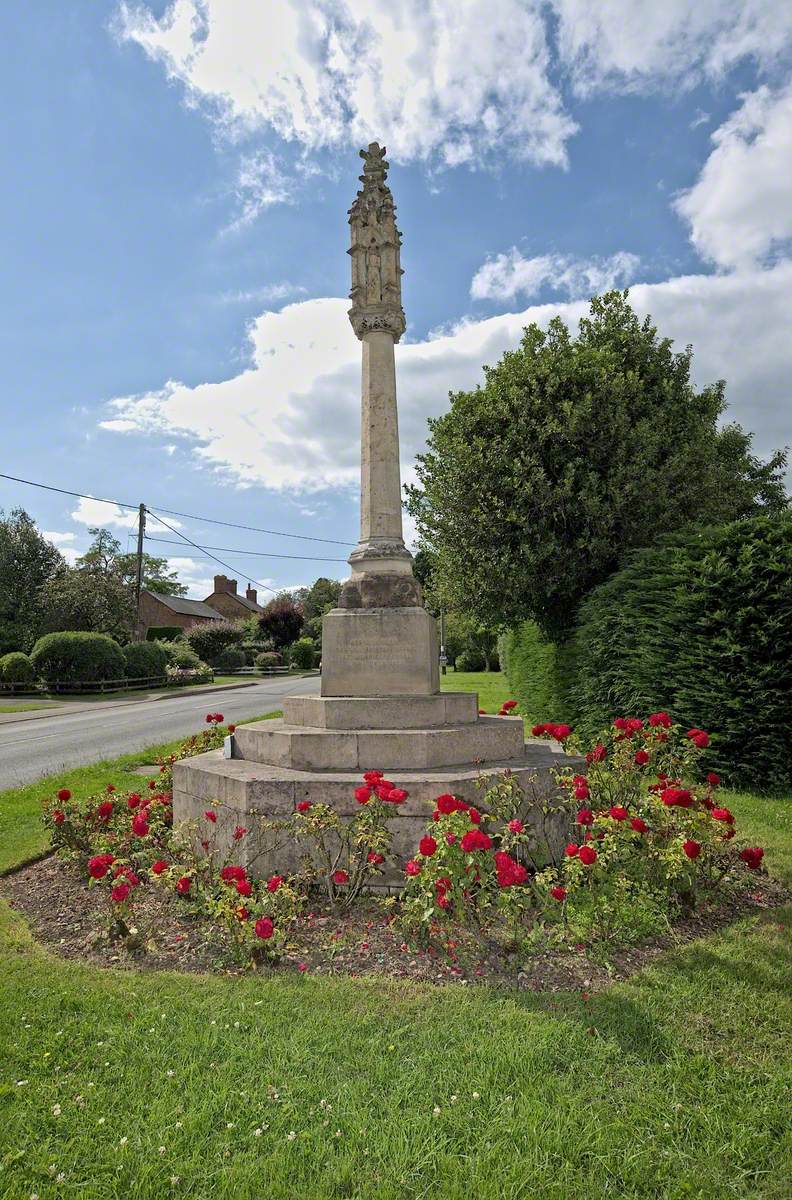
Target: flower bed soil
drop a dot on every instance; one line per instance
(69, 918)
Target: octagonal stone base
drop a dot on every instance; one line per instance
(249, 793)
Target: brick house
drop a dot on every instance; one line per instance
(229, 603)
(159, 610)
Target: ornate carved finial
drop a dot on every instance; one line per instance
(375, 251)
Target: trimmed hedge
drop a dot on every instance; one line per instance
(78, 658)
(698, 625)
(163, 633)
(16, 667)
(182, 656)
(145, 660)
(469, 660)
(230, 659)
(302, 654)
(268, 659)
(210, 640)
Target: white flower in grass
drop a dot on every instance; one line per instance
(454, 1099)
(56, 1110)
(476, 1096)
(174, 1179)
(435, 1111)
(170, 1074)
(60, 1177)
(230, 1125)
(21, 1082)
(338, 1133)
(123, 1141)
(162, 1149)
(34, 1196)
(178, 1125)
(257, 1132)
(101, 1121)
(291, 1135)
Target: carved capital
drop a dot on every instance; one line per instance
(388, 320)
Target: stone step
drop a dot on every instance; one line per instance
(381, 712)
(280, 744)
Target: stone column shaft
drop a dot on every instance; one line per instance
(380, 478)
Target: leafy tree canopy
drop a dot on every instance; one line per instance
(575, 450)
(27, 561)
(104, 554)
(281, 620)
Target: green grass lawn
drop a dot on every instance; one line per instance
(672, 1085)
(491, 686)
(22, 707)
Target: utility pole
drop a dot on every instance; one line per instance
(139, 571)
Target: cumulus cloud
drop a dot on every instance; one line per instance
(63, 542)
(290, 421)
(511, 274)
(740, 208)
(643, 44)
(432, 77)
(99, 512)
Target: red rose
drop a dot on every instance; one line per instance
(619, 812)
(581, 792)
(183, 885)
(443, 884)
(427, 846)
(722, 814)
(621, 724)
(231, 728)
(560, 732)
(397, 795)
(451, 839)
(508, 705)
(515, 826)
(571, 850)
(304, 806)
(587, 855)
(64, 794)
(140, 825)
(58, 816)
(752, 857)
(376, 859)
(363, 795)
(372, 777)
(482, 712)
(244, 887)
(133, 800)
(538, 730)
(210, 815)
(509, 871)
(558, 893)
(691, 848)
(599, 753)
(660, 720)
(712, 779)
(447, 804)
(699, 738)
(475, 816)
(231, 874)
(159, 866)
(119, 893)
(264, 928)
(210, 719)
(274, 883)
(99, 865)
(443, 900)
(242, 913)
(239, 833)
(412, 867)
(340, 877)
(585, 817)
(641, 758)
(219, 718)
(676, 797)
(110, 788)
(638, 825)
(153, 784)
(474, 839)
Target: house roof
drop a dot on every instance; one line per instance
(243, 600)
(189, 608)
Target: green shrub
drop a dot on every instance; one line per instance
(210, 640)
(230, 659)
(181, 656)
(268, 659)
(302, 654)
(163, 633)
(541, 673)
(701, 627)
(16, 668)
(469, 660)
(145, 660)
(78, 658)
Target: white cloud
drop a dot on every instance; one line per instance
(260, 183)
(196, 575)
(508, 275)
(266, 294)
(291, 421)
(740, 208)
(455, 80)
(63, 542)
(99, 512)
(644, 44)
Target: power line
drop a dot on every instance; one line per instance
(195, 545)
(303, 537)
(253, 553)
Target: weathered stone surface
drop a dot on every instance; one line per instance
(381, 712)
(379, 652)
(370, 590)
(263, 792)
(489, 739)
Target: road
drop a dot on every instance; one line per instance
(30, 749)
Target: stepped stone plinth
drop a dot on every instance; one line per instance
(381, 707)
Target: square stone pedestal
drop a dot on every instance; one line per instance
(380, 652)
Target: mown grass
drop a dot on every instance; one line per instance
(673, 1085)
(491, 686)
(21, 707)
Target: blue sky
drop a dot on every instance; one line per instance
(176, 180)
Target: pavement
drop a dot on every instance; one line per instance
(88, 733)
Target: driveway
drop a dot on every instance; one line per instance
(30, 749)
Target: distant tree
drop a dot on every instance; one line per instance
(281, 621)
(104, 554)
(87, 600)
(574, 451)
(27, 561)
(314, 602)
(211, 639)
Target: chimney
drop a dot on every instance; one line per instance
(223, 584)
(251, 594)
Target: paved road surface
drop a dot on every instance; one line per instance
(30, 749)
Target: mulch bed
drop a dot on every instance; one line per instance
(69, 918)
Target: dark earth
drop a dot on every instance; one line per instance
(70, 920)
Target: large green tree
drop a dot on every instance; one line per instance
(314, 602)
(575, 450)
(104, 554)
(27, 561)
